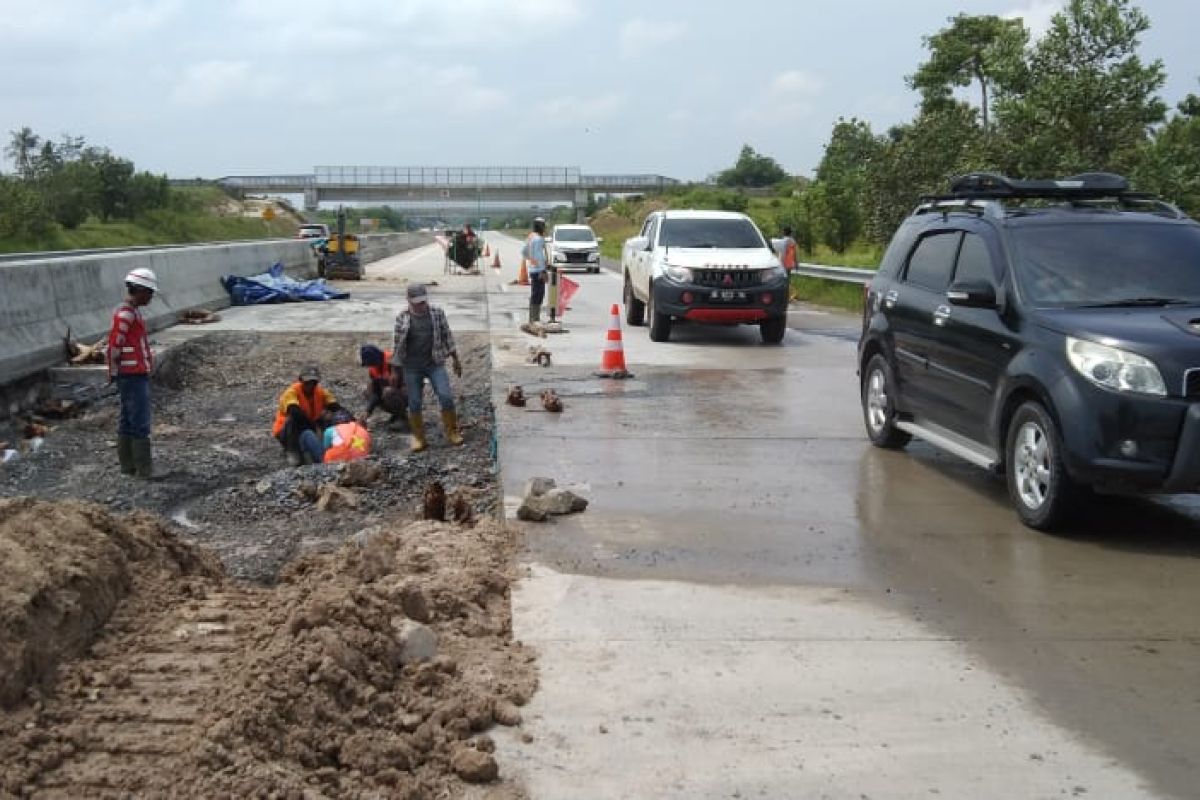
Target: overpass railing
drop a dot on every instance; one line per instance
(448, 177)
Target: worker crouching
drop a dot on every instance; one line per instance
(422, 346)
(304, 411)
(385, 386)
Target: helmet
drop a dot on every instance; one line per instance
(142, 277)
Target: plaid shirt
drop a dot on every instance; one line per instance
(443, 339)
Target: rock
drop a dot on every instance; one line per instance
(473, 766)
(415, 603)
(563, 501)
(530, 513)
(417, 642)
(506, 713)
(360, 473)
(539, 486)
(262, 487)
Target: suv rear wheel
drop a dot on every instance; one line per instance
(1038, 483)
(635, 310)
(879, 410)
(660, 324)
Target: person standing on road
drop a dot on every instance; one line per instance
(534, 252)
(130, 363)
(305, 408)
(423, 344)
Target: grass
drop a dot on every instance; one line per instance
(831, 294)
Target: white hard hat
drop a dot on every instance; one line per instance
(143, 277)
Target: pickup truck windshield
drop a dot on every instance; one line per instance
(573, 235)
(1109, 265)
(724, 233)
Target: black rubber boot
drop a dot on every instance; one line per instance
(143, 460)
(125, 454)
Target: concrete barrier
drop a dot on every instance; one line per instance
(41, 299)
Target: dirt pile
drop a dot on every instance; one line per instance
(372, 671)
(63, 569)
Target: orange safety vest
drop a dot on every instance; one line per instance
(789, 255)
(383, 371)
(351, 442)
(312, 407)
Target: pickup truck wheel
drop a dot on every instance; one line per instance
(1038, 484)
(773, 329)
(660, 324)
(879, 407)
(635, 310)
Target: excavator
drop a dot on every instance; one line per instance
(338, 257)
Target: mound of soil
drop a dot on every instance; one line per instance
(372, 671)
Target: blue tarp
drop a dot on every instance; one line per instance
(275, 287)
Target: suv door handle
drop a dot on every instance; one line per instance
(890, 298)
(941, 315)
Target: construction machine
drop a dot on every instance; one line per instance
(339, 256)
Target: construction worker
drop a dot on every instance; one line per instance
(422, 345)
(785, 248)
(305, 408)
(347, 439)
(130, 363)
(385, 385)
(534, 252)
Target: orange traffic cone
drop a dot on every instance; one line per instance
(612, 362)
(523, 275)
(487, 249)
(496, 260)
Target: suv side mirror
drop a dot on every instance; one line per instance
(599, 239)
(638, 243)
(972, 294)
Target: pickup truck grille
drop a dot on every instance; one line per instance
(726, 278)
(576, 258)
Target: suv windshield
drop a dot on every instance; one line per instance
(731, 233)
(573, 235)
(1126, 264)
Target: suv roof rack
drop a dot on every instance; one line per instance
(1089, 185)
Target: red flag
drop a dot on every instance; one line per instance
(566, 290)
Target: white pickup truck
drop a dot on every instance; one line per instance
(704, 266)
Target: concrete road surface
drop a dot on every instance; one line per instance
(759, 604)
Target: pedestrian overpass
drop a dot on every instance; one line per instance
(458, 189)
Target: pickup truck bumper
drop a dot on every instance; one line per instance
(718, 306)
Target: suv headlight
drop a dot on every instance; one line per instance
(678, 274)
(1115, 369)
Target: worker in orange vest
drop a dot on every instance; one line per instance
(305, 408)
(347, 439)
(385, 387)
(785, 248)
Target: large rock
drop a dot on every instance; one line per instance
(474, 766)
(417, 642)
(536, 487)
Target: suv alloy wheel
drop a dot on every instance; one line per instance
(879, 413)
(1038, 483)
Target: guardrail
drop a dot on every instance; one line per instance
(844, 274)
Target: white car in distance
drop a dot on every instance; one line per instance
(574, 246)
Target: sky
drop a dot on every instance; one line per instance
(208, 88)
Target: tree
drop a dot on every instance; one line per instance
(115, 174)
(752, 170)
(1089, 101)
(842, 176)
(985, 49)
(1169, 166)
(22, 148)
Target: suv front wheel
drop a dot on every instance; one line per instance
(1038, 482)
(879, 409)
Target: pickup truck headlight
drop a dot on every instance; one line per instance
(678, 274)
(560, 257)
(594, 256)
(773, 274)
(1115, 369)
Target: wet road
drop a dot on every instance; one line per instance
(758, 603)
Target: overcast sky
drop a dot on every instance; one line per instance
(222, 87)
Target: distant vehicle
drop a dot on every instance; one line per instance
(1044, 330)
(704, 266)
(313, 230)
(574, 246)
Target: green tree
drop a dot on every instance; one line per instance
(115, 175)
(842, 175)
(984, 49)
(23, 212)
(22, 149)
(1170, 164)
(752, 170)
(1089, 100)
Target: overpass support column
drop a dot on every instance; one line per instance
(581, 201)
(312, 198)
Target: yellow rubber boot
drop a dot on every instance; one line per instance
(417, 423)
(450, 423)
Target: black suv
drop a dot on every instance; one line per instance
(1050, 329)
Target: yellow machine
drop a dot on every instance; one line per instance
(339, 256)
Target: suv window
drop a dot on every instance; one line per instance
(932, 262)
(711, 233)
(573, 235)
(1091, 264)
(974, 261)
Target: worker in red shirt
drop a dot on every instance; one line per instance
(130, 363)
(385, 386)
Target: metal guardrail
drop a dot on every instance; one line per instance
(844, 274)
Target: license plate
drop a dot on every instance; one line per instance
(727, 294)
